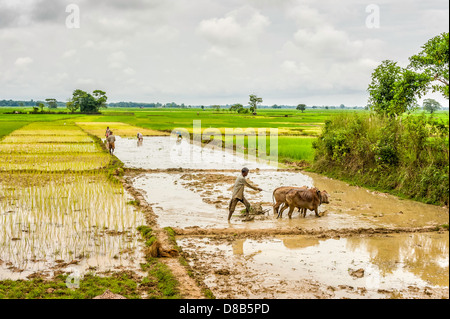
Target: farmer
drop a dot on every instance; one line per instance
(238, 193)
(111, 142)
(140, 139)
(108, 132)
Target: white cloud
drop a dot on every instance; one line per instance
(116, 60)
(84, 81)
(208, 51)
(237, 28)
(294, 68)
(23, 61)
(69, 53)
(129, 71)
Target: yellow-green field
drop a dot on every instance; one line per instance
(57, 204)
(120, 129)
(50, 147)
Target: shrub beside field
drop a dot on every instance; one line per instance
(407, 156)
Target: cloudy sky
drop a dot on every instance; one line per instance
(209, 51)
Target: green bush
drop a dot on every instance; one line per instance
(407, 155)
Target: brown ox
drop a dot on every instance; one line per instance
(303, 199)
(279, 196)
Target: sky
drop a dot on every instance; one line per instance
(204, 52)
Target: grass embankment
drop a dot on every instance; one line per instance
(407, 156)
(89, 286)
(165, 284)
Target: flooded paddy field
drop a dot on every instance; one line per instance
(366, 244)
(168, 153)
(59, 212)
(391, 266)
(70, 222)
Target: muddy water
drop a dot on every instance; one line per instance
(165, 153)
(406, 265)
(201, 199)
(378, 208)
(193, 200)
(398, 266)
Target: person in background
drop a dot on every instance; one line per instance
(111, 142)
(140, 138)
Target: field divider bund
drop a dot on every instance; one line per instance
(319, 233)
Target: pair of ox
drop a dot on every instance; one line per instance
(303, 198)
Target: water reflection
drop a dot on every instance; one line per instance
(171, 152)
(391, 262)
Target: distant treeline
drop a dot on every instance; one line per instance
(30, 103)
(226, 106)
(33, 103)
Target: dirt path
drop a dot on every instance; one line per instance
(330, 233)
(187, 285)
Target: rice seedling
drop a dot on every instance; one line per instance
(53, 163)
(64, 217)
(32, 139)
(39, 148)
(50, 147)
(49, 218)
(121, 129)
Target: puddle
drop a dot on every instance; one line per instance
(396, 266)
(167, 153)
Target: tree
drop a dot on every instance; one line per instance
(236, 107)
(393, 90)
(254, 101)
(342, 106)
(431, 105)
(101, 98)
(86, 102)
(52, 103)
(301, 107)
(433, 61)
(242, 110)
(71, 106)
(41, 105)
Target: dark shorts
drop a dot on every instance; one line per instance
(234, 201)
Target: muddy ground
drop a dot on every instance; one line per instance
(365, 244)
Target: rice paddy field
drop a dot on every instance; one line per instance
(59, 208)
(295, 130)
(63, 216)
(62, 212)
(56, 205)
(51, 147)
